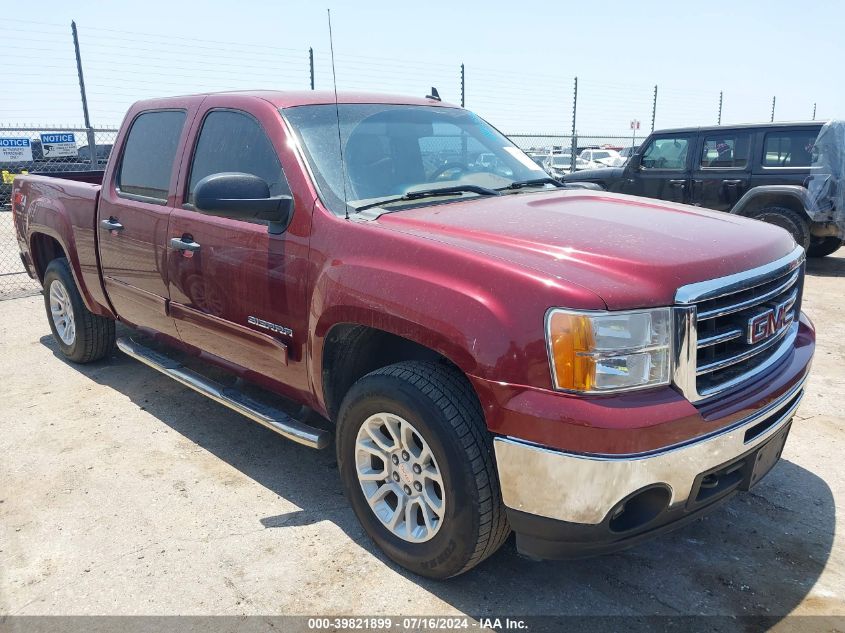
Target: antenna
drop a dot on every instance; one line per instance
(337, 114)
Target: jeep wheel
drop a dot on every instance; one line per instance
(793, 221)
(82, 336)
(823, 246)
(417, 466)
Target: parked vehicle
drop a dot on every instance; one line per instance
(599, 158)
(759, 171)
(558, 165)
(489, 353)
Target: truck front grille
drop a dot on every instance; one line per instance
(740, 324)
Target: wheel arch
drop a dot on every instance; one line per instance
(789, 196)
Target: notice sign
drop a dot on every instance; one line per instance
(15, 150)
(55, 145)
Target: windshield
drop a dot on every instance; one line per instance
(561, 160)
(391, 150)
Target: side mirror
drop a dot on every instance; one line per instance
(243, 197)
(635, 163)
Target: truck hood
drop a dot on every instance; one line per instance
(632, 252)
(602, 173)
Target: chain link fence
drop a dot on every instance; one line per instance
(40, 150)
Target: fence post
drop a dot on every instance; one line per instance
(463, 87)
(311, 65)
(574, 140)
(719, 120)
(92, 142)
(774, 99)
(654, 108)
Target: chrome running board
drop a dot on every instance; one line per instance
(271, 417)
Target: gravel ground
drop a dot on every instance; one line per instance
(121, 492)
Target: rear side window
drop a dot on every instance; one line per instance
(789, 149)
(666, 153)
(725, 150)
(234, 141)
(147, 162)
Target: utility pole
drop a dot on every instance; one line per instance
(92, 142)
(814, 112)
(654, 108)
(574, 140)
(463, 87)
(774, 99)
(719, 120)
(311, 65)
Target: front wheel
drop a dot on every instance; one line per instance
(82, 336)
(823, 246)
(417, 466)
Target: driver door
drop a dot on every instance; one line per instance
(664, 171)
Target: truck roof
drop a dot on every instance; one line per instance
(291, 98)
(739, 126)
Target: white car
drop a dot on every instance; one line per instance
(598, 158)
(559, 164)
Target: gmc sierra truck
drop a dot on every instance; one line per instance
(488, 350)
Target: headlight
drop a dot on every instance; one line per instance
(598, 352)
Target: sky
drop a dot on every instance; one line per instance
(520, 59)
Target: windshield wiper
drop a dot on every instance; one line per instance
(534, 182)
(431, 193)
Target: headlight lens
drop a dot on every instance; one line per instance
(596, 352)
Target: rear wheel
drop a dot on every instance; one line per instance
(793, 221)
(82, 336)
(417, 466)
(823, 246)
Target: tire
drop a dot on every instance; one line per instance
(793, 221)
(823, 246)
(92, 336)
(442, 409)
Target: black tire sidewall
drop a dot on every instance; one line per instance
(789, 220)
(59, 269)
(448, 551)
(823, 246)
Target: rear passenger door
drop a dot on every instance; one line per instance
(664, 169)
(135, 204)
(722, 169)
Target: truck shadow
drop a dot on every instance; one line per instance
(758, 555)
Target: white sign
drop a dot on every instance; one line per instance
(58, 144)
(635, 124)
(15, 150)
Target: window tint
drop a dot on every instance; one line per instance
(722, 150)
(789, 149)
(234, 141)
(666, 153)
(147, 161)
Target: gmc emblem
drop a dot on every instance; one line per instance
(772, 321)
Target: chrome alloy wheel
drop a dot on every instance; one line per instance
(400, 477)
(61, 310)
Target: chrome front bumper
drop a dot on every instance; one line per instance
(586, 488)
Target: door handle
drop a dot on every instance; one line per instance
(186, 244)
(732, 183)
(111, 225)
(678, 183)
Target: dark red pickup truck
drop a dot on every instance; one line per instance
(491, 351)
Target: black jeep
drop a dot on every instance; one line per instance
(788, 174)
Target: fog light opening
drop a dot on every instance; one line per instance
(639, 509)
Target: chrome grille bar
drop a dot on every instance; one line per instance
(748, 303)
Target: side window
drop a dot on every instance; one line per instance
(666, 153)
(234, 141)
(147, 162)
(789, 149)
(725, 150)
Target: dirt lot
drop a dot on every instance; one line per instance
(122, 492)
